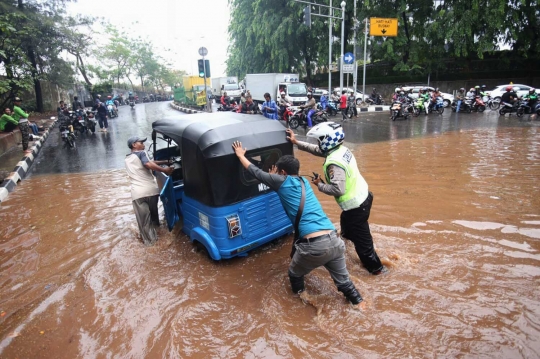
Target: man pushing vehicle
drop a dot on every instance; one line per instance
(348, 187)
(316, 242)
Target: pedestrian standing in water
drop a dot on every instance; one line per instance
(349, 188)
(144, 189)
(22, 118)
(316, 242)
(102, 116)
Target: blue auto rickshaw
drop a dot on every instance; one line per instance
(224, 209)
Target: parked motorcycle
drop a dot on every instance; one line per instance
(299, 118)
(398, 110)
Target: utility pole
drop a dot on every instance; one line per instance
(343, 4)
(365, 60)
(330, 16)
(330, 52)
(355, 76)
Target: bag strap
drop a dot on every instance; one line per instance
(300, 210)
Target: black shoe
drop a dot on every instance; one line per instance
(351, 293)
(383, 270)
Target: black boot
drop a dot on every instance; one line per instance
(297, 284)
(350, 292)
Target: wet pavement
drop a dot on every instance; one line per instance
(456, 216)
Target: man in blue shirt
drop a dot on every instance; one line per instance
(269, 108)
(318, 244)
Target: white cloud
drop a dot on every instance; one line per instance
(174, 25)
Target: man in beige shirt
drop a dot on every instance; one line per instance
(144, 189)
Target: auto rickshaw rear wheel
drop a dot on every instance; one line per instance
(199, 247)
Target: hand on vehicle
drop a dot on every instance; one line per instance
(168, 171)
(291, 137)
(237, 146)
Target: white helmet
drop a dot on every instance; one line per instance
(329, 134)
(282, 93)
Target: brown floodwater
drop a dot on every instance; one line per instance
(456, 216)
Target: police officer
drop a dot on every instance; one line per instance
(349, 188)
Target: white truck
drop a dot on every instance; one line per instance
(227, 84)
(274, 84)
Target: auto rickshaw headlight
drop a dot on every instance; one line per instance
(234, 225)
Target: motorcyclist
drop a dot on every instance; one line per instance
(324, 102)
(335, 97)
(477, 90)
(460, 98)
(97, 101)
(396, 93)
(532, 99)
(424, 94)
(509, 96)
(249, 106)
(402, 97)
(283, 103)
(110, 102)
(434, 96)
(131, 97)
(77, 105)
(471, 93)
(225, 100)
(374, 95)
(310, 106)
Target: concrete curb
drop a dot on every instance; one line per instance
(184, 109)
(21, 169)
(373, 109)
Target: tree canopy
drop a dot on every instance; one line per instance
(269, 35)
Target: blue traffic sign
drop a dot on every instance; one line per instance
(348, 58)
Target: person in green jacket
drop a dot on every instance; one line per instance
(7, 123)
(24, 125)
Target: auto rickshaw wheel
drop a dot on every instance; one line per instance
(199, 247)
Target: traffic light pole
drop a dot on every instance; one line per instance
(208, 106)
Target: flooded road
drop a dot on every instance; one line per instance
(456, 214)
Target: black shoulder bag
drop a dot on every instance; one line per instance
(298, 216)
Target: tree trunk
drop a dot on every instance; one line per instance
(37, 83)
(82, 69)
(406, 24)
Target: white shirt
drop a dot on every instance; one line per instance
(143, 183)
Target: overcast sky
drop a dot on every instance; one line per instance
(182, 26)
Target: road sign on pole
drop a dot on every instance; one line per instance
(379, 26)
(348, 63)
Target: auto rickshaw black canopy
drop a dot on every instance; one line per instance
(212, 172)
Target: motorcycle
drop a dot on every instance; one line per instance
(286, 114)
(299, 118)
(508, 108)
(420, 105)
(90, 121)
(330, 109)
(378, 101)
(68, 136)
(492, 103)
(478, 104)
(524, 108)
(398, 109)
(438, 106)
(132, 104)
(466, 105)
(112, 111)
(77, 121)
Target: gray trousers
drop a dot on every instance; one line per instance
(146, 212)
(328, 252)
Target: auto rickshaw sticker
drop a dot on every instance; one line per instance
(263, 187)
(203, 221)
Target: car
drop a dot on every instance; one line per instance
(358, 94)
(497, 92)
(447, 98)
(318, 92)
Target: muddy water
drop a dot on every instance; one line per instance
(457, 216)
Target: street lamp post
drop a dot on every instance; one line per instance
(343, 3)
(330, 51)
